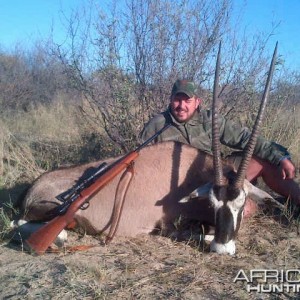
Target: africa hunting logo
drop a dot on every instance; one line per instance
(270, 281)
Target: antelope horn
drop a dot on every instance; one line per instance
(248, 151)
(215, 127)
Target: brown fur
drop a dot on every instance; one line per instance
(164, 174)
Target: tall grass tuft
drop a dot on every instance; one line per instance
(17, 162)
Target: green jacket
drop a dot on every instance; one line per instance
(197, 133)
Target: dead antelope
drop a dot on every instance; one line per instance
(164, 174)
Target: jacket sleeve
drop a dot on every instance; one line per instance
(237, 137)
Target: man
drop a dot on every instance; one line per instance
(192, 126)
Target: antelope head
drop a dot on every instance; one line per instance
(228, 195)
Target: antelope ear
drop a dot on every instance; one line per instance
(260, 196)
(255, 193)
(201, 192)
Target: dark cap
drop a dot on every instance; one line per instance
(186, 87)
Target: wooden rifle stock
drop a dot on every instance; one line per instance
(40, 240)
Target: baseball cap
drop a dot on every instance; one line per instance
(186, 87)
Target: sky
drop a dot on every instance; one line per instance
(25, 21)
(261, 15)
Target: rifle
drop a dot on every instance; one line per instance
(78, 197)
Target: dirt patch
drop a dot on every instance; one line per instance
(151, 267)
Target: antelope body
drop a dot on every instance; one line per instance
(164, 175)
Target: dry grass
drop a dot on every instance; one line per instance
(282, 125)
(17, 162)
(55, 122)
(151, 267)
(42, 139)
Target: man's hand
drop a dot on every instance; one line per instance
(287, 168)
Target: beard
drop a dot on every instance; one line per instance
(178, 118)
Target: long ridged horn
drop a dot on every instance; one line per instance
(215, 127)
(248, 151)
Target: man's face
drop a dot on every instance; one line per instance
(183, 107)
